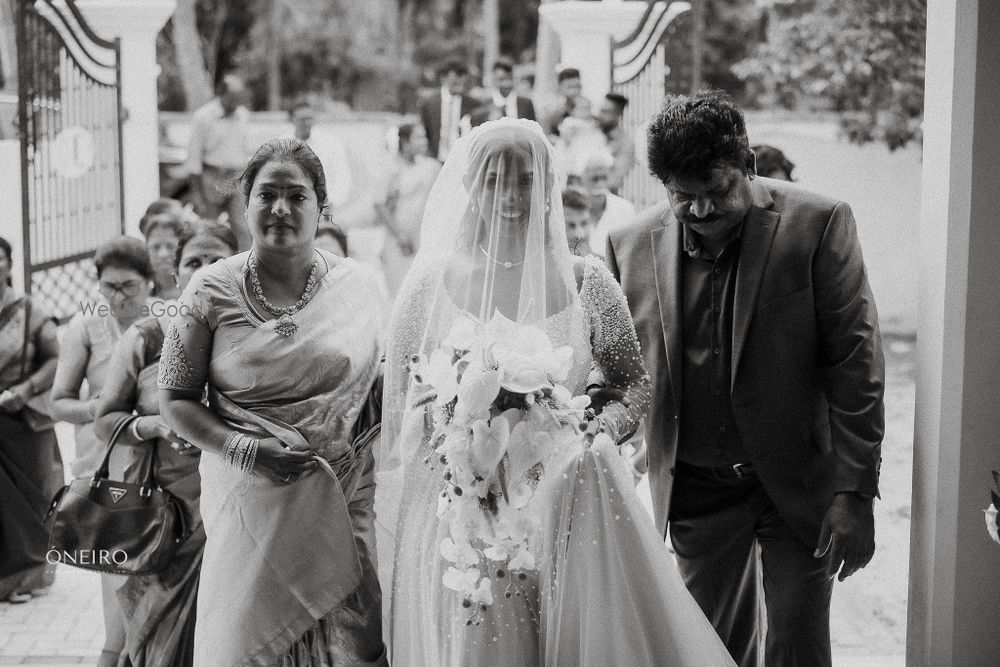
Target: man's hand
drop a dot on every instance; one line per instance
(848, 533)
(601, 396)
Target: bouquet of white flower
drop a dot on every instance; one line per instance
(992, 519)
(499, 415)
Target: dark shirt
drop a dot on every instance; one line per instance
(708, 434)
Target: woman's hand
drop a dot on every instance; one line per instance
(13, 399)
(281, 463)
(154, 426)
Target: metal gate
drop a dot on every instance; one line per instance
(639, 72)
(69, 118)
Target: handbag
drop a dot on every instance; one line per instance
(115, 526)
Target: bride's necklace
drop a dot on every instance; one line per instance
(506, 265)
(285, 326)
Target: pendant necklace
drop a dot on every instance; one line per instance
(506, 265)
(285, 325)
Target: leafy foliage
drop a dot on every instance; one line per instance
(861, 58)
(371, 55)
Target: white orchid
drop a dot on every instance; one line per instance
(525, 355)
(461, 553)
(514, 552)
(476, 392)
(489, 444)
(483, 594)
(439, 372)
(463, 335)
(463, 580)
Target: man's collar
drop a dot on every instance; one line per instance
(693, 245)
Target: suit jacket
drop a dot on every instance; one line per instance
(489, 111)
(430, 116)
(807, 370)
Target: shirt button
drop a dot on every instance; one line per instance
(718, 271)
(717, 392)
(722, 429)
(716, 351)
(717, 309)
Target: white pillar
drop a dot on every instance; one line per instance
(954, 594)
(585, 30)
(137, 23)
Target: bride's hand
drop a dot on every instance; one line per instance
(594, 427)
(280, 463)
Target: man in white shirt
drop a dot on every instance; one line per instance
(505, 102)
(607, 210)
(328, 148)
(442, 113)
(609, 118)
(218, 150)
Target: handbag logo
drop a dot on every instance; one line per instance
(116, 493)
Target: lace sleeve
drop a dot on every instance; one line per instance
(187, 345)
(616, 349)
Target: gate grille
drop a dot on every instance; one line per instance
(71, 167)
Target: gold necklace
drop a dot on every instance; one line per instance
(285, 326)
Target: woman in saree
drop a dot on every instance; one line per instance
(30, 466)
(124, 277)
(560, 564)
(159, 609)
(287, 339)
(410, 179)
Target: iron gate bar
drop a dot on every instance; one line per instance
(72, 189)
(79, 257)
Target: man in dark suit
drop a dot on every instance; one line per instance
(505, 103)
(441, 113)
(758, 327)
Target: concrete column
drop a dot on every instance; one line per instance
(954, 567)
(585, 30)
(136, 22)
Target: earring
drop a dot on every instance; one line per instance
(474, 208)
(177, 281)
(548, 207)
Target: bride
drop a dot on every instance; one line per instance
(518, 540)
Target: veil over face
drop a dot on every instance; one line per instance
(493, 244)
(494, 220)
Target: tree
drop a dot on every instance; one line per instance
(371, 55)
(187, 49)
(861, 58)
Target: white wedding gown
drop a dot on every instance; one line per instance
(607, 590)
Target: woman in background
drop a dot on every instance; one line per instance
(124, 276)
(159, 609)
(410, 180)
(163, 225)
(30, 465)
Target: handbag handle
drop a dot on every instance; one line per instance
(103, 473)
